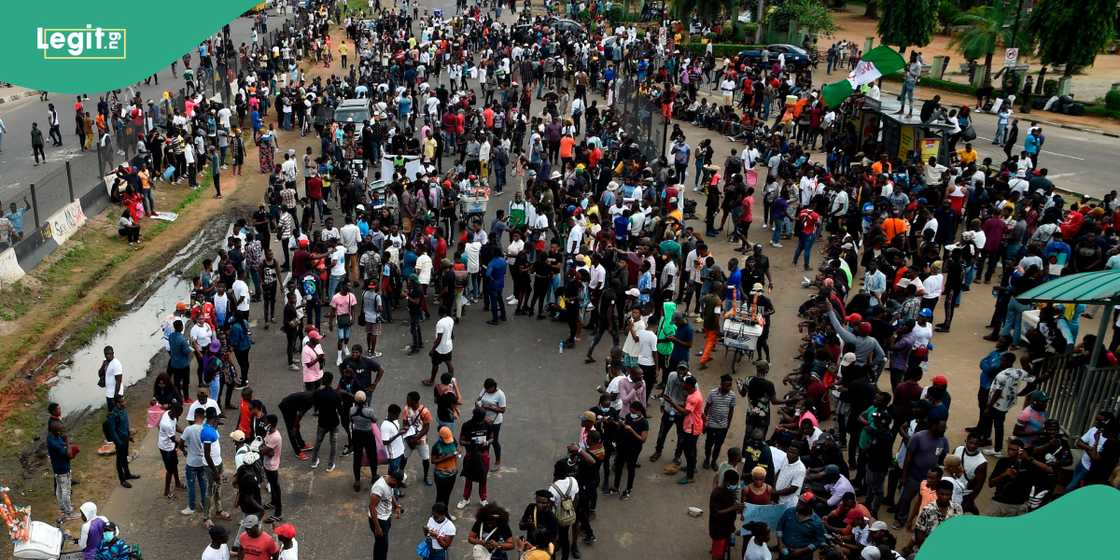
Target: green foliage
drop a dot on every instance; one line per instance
(903, 23)
(704, 9)
(737, 33)
(811, 16)
(1072, 33)
(1102, 111)
(947, 13)
(1112, 100)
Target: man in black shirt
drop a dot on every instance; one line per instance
(327, 402)
(1013, 477)
(364, 370)
(929, 107)
(539, 516)
(415, 295)
(293, 407)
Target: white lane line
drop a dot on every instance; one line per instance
(1043, 151)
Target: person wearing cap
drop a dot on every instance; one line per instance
(869, 355)
(312, 358)
(923, 329)
(800, 531)
(179, 363)
(691, 408)
(253, 543)
(289, 546)
(217, 549)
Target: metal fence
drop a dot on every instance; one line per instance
(1077, 392)
(640, 117)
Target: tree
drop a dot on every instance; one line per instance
(986, 29)
(811, 16)
(907, 22)
(709, 10)
(1072, 33)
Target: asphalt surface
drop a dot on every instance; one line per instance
(17, 166)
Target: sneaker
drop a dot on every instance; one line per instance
(346, 451)
(293, 367)
(272, 519)
(315, 464)
(776, 245)
(625, 495)
(462, 504)
(330, 468)
(378, 354)
(685, 480)
(484, 502)
(303, 456)
(187, 511)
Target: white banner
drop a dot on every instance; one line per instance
(64, 223)
(10, 270)
(865, 73)
(412, 167)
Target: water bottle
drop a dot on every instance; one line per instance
(561, 346)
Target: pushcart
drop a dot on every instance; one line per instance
(740, 334)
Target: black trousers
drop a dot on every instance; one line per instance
(243, 364)
(361, 441)
(688, 442)
(274, 490)
(663, 430)
(713, 443)
(630, 460)
(294, 437)
(123, 473)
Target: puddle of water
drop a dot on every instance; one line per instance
(137, 336)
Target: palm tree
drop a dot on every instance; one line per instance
(986, 29)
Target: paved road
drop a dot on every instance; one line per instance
(17, 167)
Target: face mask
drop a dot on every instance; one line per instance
(635, 415)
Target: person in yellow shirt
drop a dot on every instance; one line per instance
(343, 50)
(967, 155)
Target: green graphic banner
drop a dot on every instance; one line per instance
(77, 46)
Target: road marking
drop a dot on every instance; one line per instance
(1043, 151)
(1061, 175)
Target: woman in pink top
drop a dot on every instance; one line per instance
(745, 219)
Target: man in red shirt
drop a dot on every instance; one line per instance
(254, 543)
(693, 410)
(807, 224)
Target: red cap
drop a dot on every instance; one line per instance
(286, 530)
(864, 328)
(940, 380)
(314, 335)
(854, 318)
(807, 496)
(303, 243)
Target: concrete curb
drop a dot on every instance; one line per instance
(14, 98)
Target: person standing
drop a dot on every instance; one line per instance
(37, 143)
(117, 430)
(52, 120)
(111, 377)
(440, 530)
(196, 465)
(445, 460)
(382, 507)
(493, 401)
(327, 403)
(719, 408)
(362, 444)
(212, 455)
(692, 408)
(271, 448)
(442, 345)
(475, 438)
(167, 443)
(60, 453)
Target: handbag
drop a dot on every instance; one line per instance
(968, 134)
(480, 552)
(424, 548)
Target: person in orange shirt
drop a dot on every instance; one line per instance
(893, 226)
(567, 149)
(881, 166)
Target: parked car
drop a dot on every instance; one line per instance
(564, 25)
(795, 55)
(352, 110)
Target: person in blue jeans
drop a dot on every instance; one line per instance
(807, 221)
(440, 531)
(1013, 323)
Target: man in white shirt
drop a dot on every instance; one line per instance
(338, 268)
(350, 236)
(112, 377)
(791, 476)
(241, 296)
(575, 237)
(443, 345)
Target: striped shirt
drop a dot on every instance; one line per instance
(719, 407)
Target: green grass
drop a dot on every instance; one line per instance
(15, 300)
(934, 83)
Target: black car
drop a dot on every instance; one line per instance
(795, 55)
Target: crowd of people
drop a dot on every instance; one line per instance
(594, 236)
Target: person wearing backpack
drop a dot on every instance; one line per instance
(310, 287)
(564, 490)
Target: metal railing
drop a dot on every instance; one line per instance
(1078, 392)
